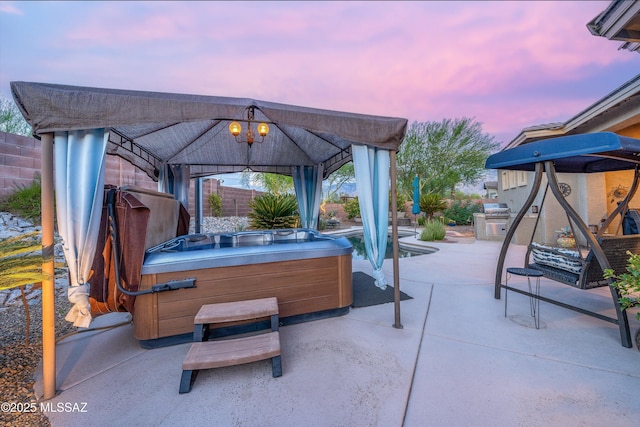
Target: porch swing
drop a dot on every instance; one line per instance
(587, 153)
(572, 265)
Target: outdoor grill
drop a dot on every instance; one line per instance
(497, 218)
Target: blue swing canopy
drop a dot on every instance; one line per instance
(584, 153)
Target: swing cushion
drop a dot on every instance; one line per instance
(561, 258)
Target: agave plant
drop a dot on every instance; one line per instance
(271, 211)
(431, 203)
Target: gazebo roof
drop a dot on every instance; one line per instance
(150, 128)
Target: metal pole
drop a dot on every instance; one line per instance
(394, 239)
(198, 206)
(48, 273)
(511, 231)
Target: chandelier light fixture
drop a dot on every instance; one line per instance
(250, 137)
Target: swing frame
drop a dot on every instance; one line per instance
(585, 153)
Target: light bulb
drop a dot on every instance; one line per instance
(263, 129)
(235, 128)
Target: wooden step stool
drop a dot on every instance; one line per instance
(205, 354)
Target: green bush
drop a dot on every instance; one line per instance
(215, 203)
(25, 201)
(271, 211)
(400, 202)
(628, 284)
(352, 208)
(431, 203)
(433, 230)
(422, 220)
(461, 212)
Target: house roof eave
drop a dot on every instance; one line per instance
(597, 110)
(619, 21)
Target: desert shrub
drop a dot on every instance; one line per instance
(25, 201)
(271, 211)
(433, 230)
(461, 211)
(352, 208)
(215, 203)
(401, 199)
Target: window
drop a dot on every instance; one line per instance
(505, 180)
(522, 178)
(513, 182)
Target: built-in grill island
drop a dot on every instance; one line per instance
(492, 223)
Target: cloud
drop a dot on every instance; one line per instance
(10, 8)
(508, 64)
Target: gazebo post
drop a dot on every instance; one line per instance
(394, 239)
(48, 272)
(198, 205)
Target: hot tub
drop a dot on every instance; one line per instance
(309, 273)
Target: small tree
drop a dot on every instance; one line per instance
(444, 154)
(337, 179)
(11, 120)
(461, 212)
(352, 208)
(215, 203)
(274, 183)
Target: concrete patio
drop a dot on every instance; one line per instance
(457, 362)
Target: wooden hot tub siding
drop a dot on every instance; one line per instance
(301, 286)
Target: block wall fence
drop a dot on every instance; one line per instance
(20, 164)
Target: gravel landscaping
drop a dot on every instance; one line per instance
(19, 361)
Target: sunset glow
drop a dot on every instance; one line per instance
(509, 65)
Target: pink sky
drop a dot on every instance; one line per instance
(508, 65)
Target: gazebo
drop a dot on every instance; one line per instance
(177, 137)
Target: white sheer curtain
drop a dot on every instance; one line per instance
(175, 179)
(307, 181)
(372, 183)
(80, 158)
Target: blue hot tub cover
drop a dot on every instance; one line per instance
(199, 251)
